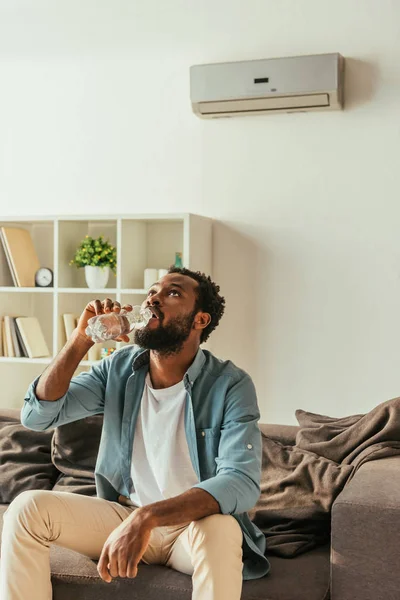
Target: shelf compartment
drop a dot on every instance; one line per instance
(70, 235)
(135, 298)
(148, 243)
(18, 380)
(22, 304)
(42, 234)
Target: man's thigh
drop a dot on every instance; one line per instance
(80, 523)
(215, 536)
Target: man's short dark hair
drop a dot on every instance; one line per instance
(208, 298)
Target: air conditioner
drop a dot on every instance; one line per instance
(253, 87)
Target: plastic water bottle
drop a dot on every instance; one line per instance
(109, 326)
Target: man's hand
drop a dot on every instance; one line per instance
(124, 548)
(96, 307)
(126, 545)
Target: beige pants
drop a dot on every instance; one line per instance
(209, 549)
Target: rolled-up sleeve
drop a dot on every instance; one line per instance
(85, 396)
(236, 485)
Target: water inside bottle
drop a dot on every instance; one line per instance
(109, 326)
(138, 316)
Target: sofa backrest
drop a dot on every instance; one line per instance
(285, 434)
(64, 459)
(25, 458)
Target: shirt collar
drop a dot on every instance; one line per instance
(143, 358)
(195, 368)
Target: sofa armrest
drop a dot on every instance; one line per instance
(365, 555)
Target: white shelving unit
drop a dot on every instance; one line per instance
(142, 241)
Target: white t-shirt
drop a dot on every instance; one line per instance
(161, 467)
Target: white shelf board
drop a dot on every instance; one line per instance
(21, 359)
(99, 217)
(41, 361)
(89, 363)
(35, 290)
(72, 290)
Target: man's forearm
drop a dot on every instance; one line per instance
(192, 505)
(54, 381)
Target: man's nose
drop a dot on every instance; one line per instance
(153, 301)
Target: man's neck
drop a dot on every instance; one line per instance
(166, 371)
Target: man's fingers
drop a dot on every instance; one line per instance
(98, 307)
(113, 565)
(121, 566)
(102, 567)
(116, 307)
(131, 570)
(107, 304)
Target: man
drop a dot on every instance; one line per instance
(179, 458)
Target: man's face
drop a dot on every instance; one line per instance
(172, 300)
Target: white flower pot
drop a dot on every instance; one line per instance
(97, 277)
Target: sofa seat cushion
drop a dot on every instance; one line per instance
(75, 576)
(73, 573)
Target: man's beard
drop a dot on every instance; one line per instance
(168, 339)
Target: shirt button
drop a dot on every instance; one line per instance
(249, 446)
(203, 433)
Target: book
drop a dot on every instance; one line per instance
(69, 324)
(7, 256)
(22, 255)
(3, 335)
(32, 336)
(14, 338)
(21, 344)
(8, 336)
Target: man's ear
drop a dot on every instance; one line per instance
(201, 320)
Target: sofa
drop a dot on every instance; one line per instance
(359, 560)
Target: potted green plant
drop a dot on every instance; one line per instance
(98, 257)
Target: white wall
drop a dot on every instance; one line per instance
(95, 115)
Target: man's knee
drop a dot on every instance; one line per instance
(29, 505)
(216, 528)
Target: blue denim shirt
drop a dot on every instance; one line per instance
(221, 416)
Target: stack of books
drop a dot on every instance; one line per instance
(22, 337)
(20, 254)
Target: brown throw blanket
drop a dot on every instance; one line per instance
(300, 483)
